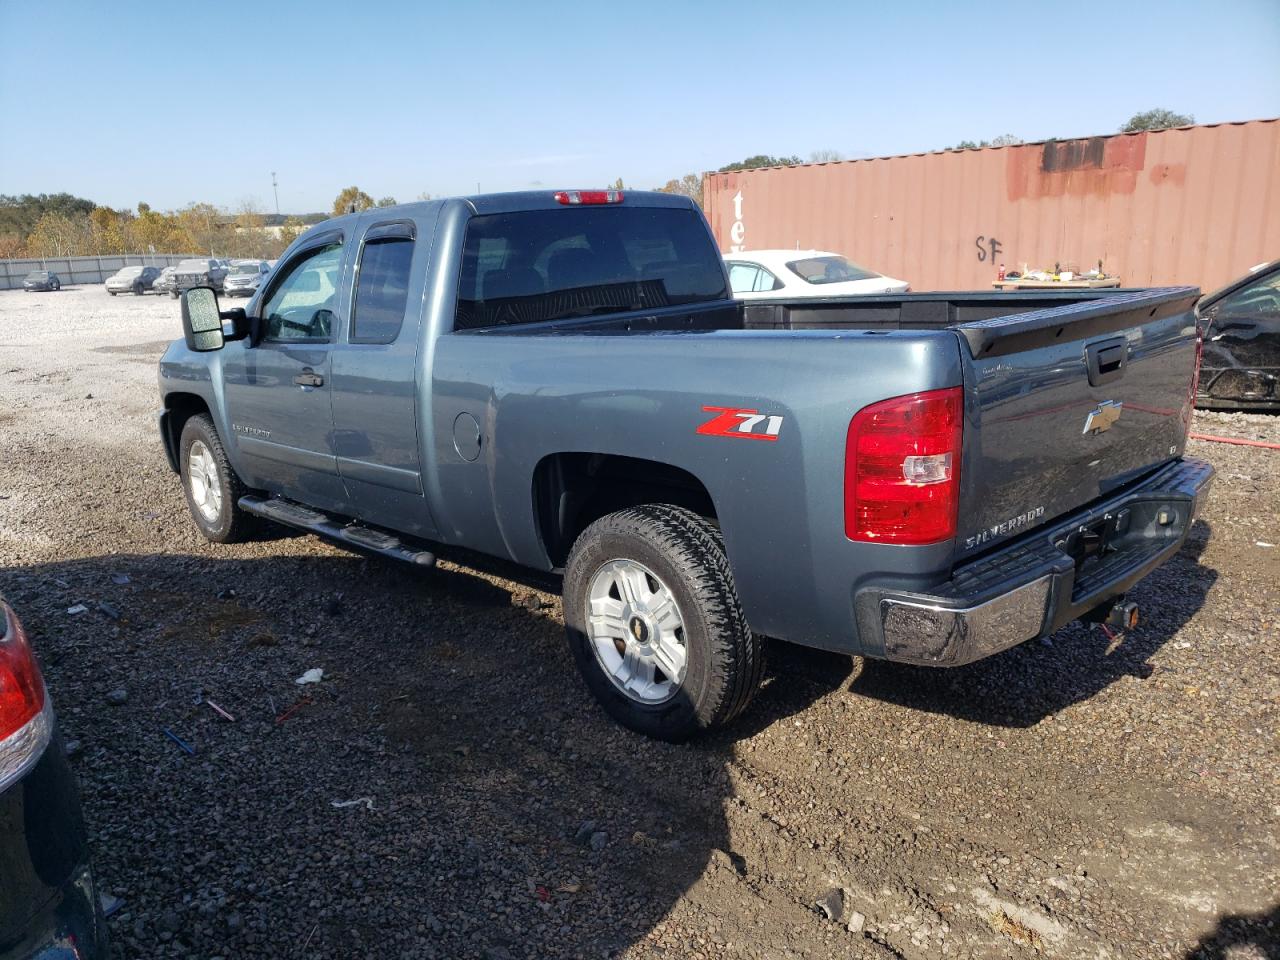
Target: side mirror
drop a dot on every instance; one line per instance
(241, 324)
(201, 320)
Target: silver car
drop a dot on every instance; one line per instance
(135, 280)
(244, 277)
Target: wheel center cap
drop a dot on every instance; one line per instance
(639, 630)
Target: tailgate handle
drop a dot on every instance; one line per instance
(1105, 360)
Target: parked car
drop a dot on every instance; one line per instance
(198, 272)
(164, 282)
(1241, 368)
(41, 280)
(49, 906)
(564, 380)
(135, 280)
(244, 277)
(754, 274)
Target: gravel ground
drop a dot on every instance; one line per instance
(1077, 798)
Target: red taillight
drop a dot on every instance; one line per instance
(902, 469)
(575, 198)
(21, 687)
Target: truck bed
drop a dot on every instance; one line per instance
(1036, 365)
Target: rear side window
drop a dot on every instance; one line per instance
(750, 278)
(543, 265)
(382, 290)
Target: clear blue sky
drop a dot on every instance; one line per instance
(172, 103)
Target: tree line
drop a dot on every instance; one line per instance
(62, 225)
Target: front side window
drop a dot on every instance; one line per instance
(834, 269)
(302, 303)
(1262, 297)
(382, 290)
(541, 265)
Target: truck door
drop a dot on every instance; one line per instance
(278, 390)
(375, 382)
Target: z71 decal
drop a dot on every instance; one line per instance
(741, 424)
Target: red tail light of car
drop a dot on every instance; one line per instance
(902, 469)
(25, 722)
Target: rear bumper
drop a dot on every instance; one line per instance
(70, 926)
(1034, 587)
(49, 906)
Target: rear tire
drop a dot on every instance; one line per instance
(137, 289)
(677, 563)
(212, 487)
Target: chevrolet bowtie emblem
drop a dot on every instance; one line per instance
(1103, 416)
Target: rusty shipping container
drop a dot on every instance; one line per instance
(1196, 205)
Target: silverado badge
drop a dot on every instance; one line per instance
(1102, 416)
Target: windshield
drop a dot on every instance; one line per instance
(124, 273)
(832, 269)
(543, 265)
(196, 266)
(38, 275)
(243, 269)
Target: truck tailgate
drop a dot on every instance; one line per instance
(1067, 404)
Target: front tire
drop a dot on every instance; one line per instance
(212, 487)
(654, 623)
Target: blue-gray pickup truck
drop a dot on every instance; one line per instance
(564, 380)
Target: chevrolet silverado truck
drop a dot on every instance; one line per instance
(563, 380)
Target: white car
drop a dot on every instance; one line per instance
(758, 274)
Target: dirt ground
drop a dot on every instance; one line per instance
(1074, 798)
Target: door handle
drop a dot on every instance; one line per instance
(309, 378)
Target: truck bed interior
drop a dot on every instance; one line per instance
(993, 324)
(908, 311)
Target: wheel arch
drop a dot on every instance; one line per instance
(571, 490)
(178, 409)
